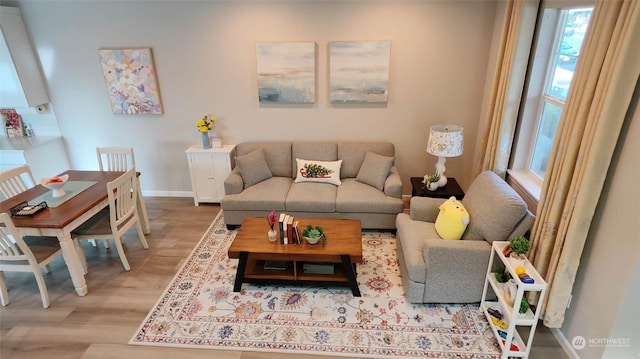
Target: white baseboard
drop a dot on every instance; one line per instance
(564, 343)
(167, 194)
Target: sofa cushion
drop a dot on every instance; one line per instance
(311, 197)
(352, 154)
(253, 168)
(354, 196)
(277, 154)
(266, 196)
(374, 169)
(318, 171)
(494, 208)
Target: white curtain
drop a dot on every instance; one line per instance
(601, 91)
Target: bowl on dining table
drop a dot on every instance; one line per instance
(55, 184)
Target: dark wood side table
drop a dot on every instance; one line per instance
(451, 189)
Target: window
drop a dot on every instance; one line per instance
(560, 35)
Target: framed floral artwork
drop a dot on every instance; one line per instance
(286, 72)
(131, 81)
(359, 71)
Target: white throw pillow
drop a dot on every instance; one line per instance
(318, 171)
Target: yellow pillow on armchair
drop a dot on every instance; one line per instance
(452, 219)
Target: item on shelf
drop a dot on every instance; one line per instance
(275, 265)
(318, 268)
(494, 313)
(524, 306)
(524, 277)
(514, 348)
(502, 334)
(510, 291)
(499, 323)
(519, 246)
(502, 276)
(12, 122)
(520, 270)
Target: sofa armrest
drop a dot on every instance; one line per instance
(393, 183)
(425, 208)
(457, 257)
(233, 184)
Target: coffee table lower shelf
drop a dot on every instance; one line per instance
(253, 271)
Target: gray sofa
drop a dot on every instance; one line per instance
(370, 189)
(436, 270)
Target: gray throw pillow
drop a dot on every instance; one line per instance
(374, 170)
(253, 167)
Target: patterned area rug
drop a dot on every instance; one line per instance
(200, 310)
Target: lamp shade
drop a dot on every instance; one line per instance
(445, 141)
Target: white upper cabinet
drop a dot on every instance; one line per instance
(21, 83)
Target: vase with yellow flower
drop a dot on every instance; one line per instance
(204, 125)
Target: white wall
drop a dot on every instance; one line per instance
(605, 296)
(205, 61)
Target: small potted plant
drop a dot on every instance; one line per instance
(431, 181)
(502, 276)
(313, 234)
(519, 246)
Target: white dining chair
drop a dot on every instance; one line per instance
(114, 221)
(115, 158)
(16, 180)
(24, 254)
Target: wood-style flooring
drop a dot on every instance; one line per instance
(100, 324)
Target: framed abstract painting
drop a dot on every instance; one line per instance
(286, 72)
(131, 81)
(359, 71)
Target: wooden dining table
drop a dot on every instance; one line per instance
(60, 221)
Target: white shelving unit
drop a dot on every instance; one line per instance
(209, 168)
(510, 314)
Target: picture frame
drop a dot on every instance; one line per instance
(359, 71)
(130, 77)
(286, 72)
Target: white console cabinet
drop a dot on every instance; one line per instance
(209, 168)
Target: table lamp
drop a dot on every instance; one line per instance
(444, 141)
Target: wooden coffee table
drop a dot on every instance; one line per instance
(343, 246)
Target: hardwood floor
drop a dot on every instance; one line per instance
(100, 324)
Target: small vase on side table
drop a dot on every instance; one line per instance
(206, 142)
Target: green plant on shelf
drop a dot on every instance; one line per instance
(503, 276)
(524, 306)
(519, 245)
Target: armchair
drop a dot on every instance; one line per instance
(436, 270)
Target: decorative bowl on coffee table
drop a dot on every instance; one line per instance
(55, 185)
(314, 240)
